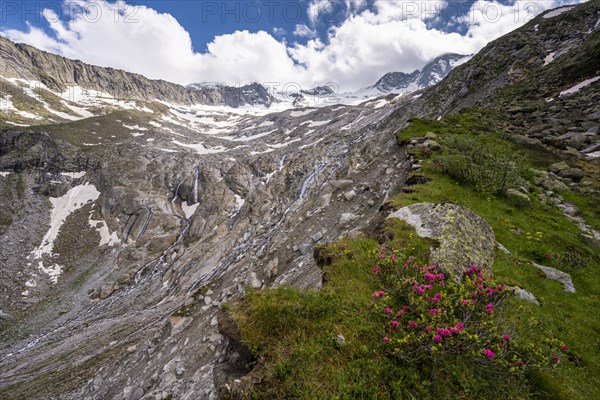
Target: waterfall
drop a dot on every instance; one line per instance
(196, 178)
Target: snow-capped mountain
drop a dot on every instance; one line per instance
(133, 211)
(253, 94)
(429, 75)
(256, 94)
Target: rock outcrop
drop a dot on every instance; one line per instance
(464, 238)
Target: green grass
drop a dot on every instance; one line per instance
(293, 332)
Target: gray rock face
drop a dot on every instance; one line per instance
(190, 212)
(429, 75)
(22, 61)
(182, 221)
(525, 295)
(465, 239)
(560, 276)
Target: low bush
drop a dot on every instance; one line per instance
(483, 161)
(428, 314)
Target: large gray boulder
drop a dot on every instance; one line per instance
(465, 239)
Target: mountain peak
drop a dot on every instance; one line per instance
(433, 72)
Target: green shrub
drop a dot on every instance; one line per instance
(482, 161)
(428, 314)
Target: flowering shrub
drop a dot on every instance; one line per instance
(427, 313)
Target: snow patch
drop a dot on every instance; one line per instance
(135, 127)
(62, 207)
(311, 144)
(189, 210)
(295, 114)
(284, 144)
(549, 58)
(314, 124)
(73, 175)
(199, 147)
(105, 236)
(15, 124)
(4, 174)
(557, 12)
(579, 86)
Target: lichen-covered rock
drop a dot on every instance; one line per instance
(465, 239)
(518, 198)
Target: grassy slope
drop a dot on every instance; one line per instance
(293, 333)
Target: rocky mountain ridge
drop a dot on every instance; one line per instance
(58, 73)
(432, 73)
(122, 232)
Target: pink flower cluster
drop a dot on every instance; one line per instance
(445, 332)
(379, 294)
(420, 289)
(488, 353)
(473, 271)
(433, 277)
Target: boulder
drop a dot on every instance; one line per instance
(464, 238)
(554, 274)
(578, 141)
(317, 236)
(575, 174)
(341, 184)
(4, 315)
(525, 295)
(325, 200)
(518, 198)
(558, 167)
(432, 145)
(549, 182)
(350, 195)
(347, 219)
(590, 240)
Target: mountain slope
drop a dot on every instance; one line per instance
(124, 231)
(58, 74)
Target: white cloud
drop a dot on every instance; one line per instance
(322, 10)
(391, 36)
(303, 30)
(279, 31)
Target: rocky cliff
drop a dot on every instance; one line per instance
(58, 73)
(124, 231)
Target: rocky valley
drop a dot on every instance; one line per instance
(134, 213)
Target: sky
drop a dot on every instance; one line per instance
(348, 44)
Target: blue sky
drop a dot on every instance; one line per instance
(348, 42)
